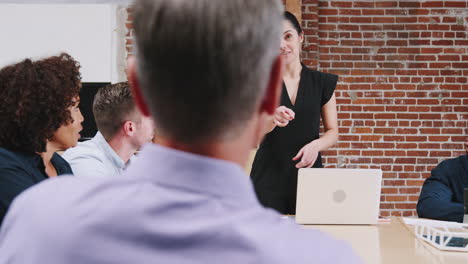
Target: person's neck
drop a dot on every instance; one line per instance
(50, 150)
(234, 150)
(292, 70)
(47, 158)
(122, 147)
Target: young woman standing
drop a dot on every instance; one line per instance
(294, 141)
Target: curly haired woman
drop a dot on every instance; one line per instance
(39, 116)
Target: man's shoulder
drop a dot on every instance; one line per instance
(10, 158)
(453, 163)
(57, 199)
(55, 191)
(87, 149)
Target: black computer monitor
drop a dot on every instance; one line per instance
(87, 93)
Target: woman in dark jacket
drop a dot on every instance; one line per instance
(39, 116)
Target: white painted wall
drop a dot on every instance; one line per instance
(89, 32)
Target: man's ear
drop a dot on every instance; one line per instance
(129, 128)
(135, 86)
(272, 95)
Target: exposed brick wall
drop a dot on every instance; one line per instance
(403, 91)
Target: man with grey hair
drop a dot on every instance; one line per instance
(209, 73)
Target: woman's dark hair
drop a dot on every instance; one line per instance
(293, 20)
(34, 101)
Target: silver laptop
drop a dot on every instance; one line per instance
(338, 196)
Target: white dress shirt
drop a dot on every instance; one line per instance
(94, 158)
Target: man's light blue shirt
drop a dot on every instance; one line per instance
(168, 207)
(94, 158)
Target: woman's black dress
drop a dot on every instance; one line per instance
(274, 174)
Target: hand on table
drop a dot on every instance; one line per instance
(307, 155)
(282, 116)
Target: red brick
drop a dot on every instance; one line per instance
(328, 12)
(396, 108)
(416, 138)
(383, 20)
(361, 145)
(431, 50)
(393, 138)
(439, 138)
(427, 161)
(439, 65)
(360, 160)
(440, 12)
(459, 138)
(405, 161)
(442, 108)
(409, 50)
(406, 131)
(429, 116)
(449, 57)
(460, 65)
(425, 58)
(428, 72)
(412, 4)
(396, 12)
(373, 12)
(341, 4)
(349, 152)
(389, 190)
(418, 153)
(433, 4)
(406, 206)
(456, 4)
(409, 175)
(450, 72)
(460, 94)
(384, 4)
(450, 117)
(419, 42)
(349, 138)
(385, 116)
(440, 154)
(459, 42)
(414, 182)
(450, 34)
(363, 4)
(428, 102)
(416, 27)
(441, 27)
(373, 108)
(406, 19)
(370, 138)
(386, 206)
(350, 12)
(429, 130)
(407, 116)
(385, 145)
(396, 198)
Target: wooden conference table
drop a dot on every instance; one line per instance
(391, 243)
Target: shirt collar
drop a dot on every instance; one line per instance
(108, 151)
(198, 173)
(35, 160)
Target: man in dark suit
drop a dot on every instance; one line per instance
(442, 194)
